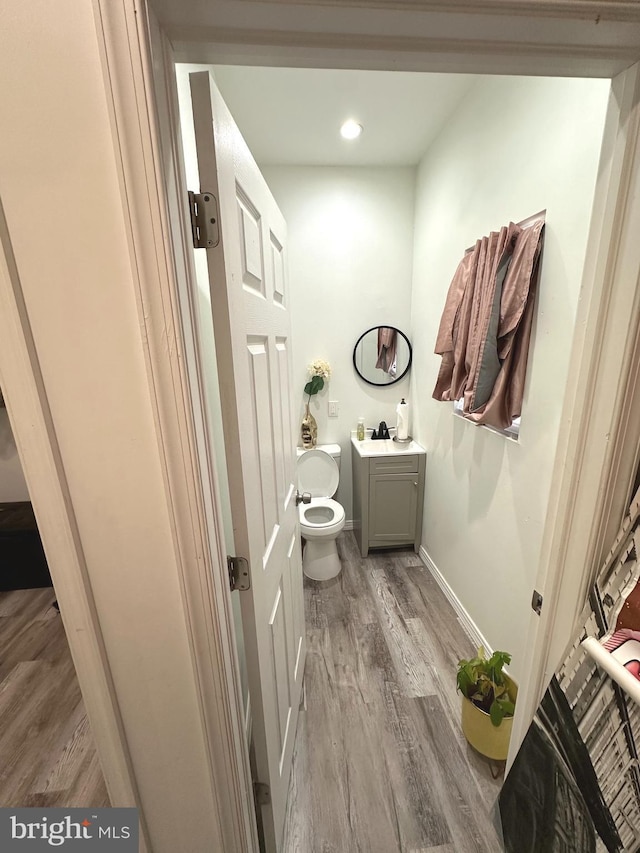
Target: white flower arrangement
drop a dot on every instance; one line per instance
(319, 370)
(319, 367)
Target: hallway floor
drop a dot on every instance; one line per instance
(47, 753)
(380, 763)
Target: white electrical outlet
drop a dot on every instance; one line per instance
(333, 408)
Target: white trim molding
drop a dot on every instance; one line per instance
(585, 38)
(305, 49)
(468, 625)
(594, 10)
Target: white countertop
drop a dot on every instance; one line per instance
(385, 447)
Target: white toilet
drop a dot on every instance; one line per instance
(323, 518)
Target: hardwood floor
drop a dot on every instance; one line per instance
(380, 763)
(47, 755)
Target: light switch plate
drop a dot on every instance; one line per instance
(333, 408)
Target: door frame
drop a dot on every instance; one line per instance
(597, 441)
(600, 421)
(143, 107)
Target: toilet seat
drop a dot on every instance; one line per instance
(332, 516)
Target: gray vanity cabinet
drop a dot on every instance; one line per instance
(388, 493)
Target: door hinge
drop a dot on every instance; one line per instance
(536, 602)
(262, 793)
(238, 573)
(203, 208)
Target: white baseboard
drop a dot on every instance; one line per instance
(469, 626)
(348, 525)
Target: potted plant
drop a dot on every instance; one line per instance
(488, 703)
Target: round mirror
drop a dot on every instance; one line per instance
(382, 355)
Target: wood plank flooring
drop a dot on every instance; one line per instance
(380, 763)
(47, 754)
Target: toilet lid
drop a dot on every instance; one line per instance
(318, 474)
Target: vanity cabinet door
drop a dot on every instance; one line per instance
(393, 506)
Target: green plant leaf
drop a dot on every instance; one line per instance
(465, 682)
(507, 706)
(496, 713)
(315, 384)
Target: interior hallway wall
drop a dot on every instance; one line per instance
(13, 486)
(514, 147)
(350, 268)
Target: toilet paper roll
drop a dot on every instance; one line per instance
(402, 422)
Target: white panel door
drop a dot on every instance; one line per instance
(250, 304)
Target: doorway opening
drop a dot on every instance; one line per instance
(379, 243)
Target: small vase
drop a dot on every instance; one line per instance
(309, 429)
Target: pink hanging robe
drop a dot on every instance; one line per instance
(486, 324)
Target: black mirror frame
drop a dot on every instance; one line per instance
(404, 372)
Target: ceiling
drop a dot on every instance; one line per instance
(292, 116)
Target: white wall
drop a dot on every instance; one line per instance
(350, 265)
(514, 147)
(13, 486)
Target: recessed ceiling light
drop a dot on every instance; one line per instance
(350, 129)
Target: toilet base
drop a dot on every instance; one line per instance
(320, 561)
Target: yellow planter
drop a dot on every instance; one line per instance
(489, 740)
